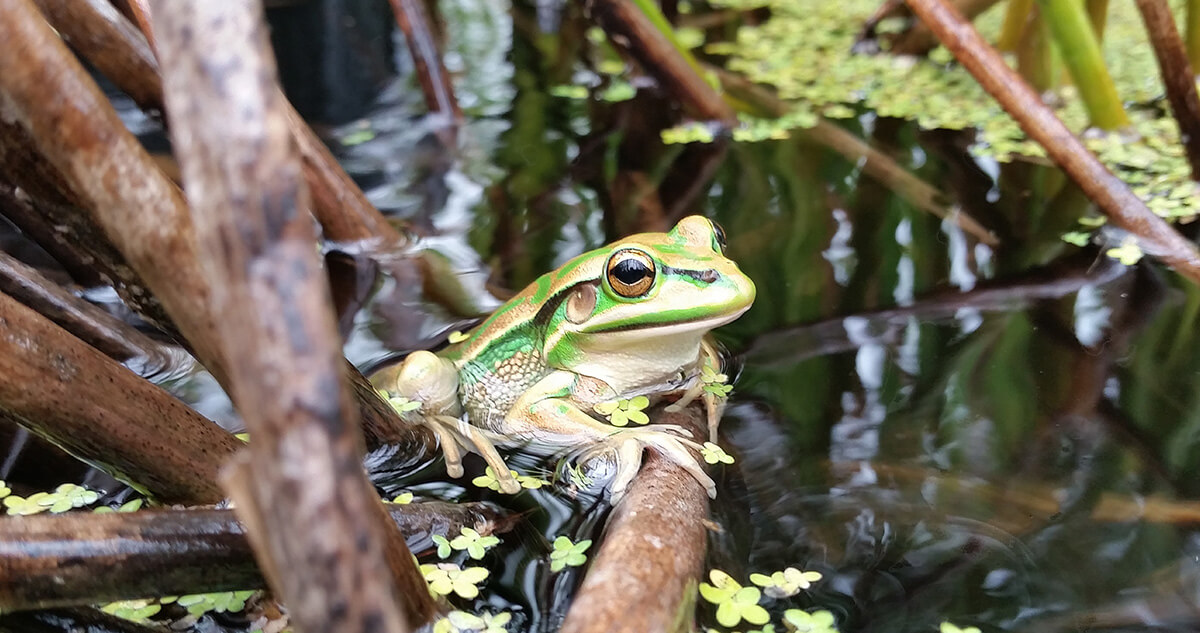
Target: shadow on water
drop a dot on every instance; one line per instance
(1001, 437)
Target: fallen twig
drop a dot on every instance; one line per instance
(1113, 196)
(85, 558)
(644, 576)
(318, 531)
(1177, 76)
(72, 395)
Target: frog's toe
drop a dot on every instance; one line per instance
(628, 463)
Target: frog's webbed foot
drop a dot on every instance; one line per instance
(708, 384)
(455, 434)
(626, 448)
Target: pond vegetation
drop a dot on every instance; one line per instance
(964, 399)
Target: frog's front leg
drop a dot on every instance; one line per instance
(432, 381)
(549, 412)
(708, 384)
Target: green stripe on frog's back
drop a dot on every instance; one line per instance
(523, 308)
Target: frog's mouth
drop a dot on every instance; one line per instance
(670, 324)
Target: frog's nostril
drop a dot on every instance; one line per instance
(708, 276)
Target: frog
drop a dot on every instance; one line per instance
(627, 322)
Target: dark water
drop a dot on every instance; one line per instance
(1000, 437)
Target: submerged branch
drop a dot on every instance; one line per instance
(1177, 75)
(328, 550)
(1112, 195)
(72, 395)
(635, 583)
(113, 337)
(85, 558)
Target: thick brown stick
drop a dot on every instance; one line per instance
(319, 533)
(644, 576)
(1114, 198)
(67, 392)
(83, 558)
(94, 326)
(72, 621)
(103, 36)
(48, 94)
(624, 22)
(109, 42)
(435, 81)
(1177, 76)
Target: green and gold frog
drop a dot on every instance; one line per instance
(557, 366)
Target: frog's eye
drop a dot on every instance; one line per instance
(718, 238)
(630, 273)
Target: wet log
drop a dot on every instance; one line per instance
(628, 26)
(91, 324)
(644, 576)
(320, 534)
(72, 621)
(72, 395)
(1115, 199)
(84, 558)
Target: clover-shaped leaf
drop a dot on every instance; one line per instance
(133, 610)
(402, 404)
(805, 622)
(1127, 253)
(568, 554)
(622, 412)
(713, 454)
(734, 602)
(463, 622)
(403, 498)
(445, 579)
(786, 583)
(488, 480)
(947, 627)
(220, 602)
(473, 543)
(129, 506)
(68, 496)
(4, 489)
(33, 504)
(443, 545)
(714, 382)
(457, 337)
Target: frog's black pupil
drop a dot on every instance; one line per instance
(630, 271)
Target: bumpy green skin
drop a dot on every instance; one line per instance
(534, 370)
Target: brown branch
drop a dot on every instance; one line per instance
(919, 40)
(72, 621)
(636, 584)
(46, 93)
(627, 26)
(319, 532)
(427, 59)
(1177, 76)
(84, 558)
(110, 43)
(72, 395)
(1113, 196)
(338, 204)
(94, 326)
